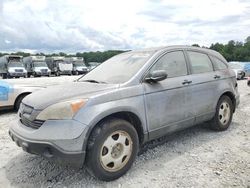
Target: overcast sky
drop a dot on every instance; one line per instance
(91, 25)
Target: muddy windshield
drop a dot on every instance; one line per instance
(40, 64)
(79, 64)
(15, 63)
(118, 69)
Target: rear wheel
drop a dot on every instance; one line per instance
(112, 148)
(243, 76)
(4, 76)
(57, 73)
(223, 115)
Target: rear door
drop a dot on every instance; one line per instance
(168, 102)
(203, 86)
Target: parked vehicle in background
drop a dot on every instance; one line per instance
(79, 66)
(238, 70)
(36, 66)
(59, 66)
(11, 95)
(93, 65)
(12, 66)
(245, 66)
(104, 117)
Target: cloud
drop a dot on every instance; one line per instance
(91, 25)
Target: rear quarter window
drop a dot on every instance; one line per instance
(218, 64)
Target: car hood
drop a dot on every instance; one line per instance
(54, 94)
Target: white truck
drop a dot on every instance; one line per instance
(59, 66)
(79, 66)
(36, 66)
(11, 66)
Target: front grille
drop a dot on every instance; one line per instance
(44, 70)
(27, 117)
(36, 124)
(18, 70)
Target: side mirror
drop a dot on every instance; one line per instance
(157, 76)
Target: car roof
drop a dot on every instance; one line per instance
(173, 47)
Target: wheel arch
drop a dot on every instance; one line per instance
(125, 115)
(19, 96)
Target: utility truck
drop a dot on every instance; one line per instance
(59, 66)
(36, 66)
(79, 66)
(12, 66)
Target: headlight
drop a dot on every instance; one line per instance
(62, 110)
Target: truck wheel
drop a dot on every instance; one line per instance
(19, 101)
(243, 76)
(223, 115)
(112, 148)
(4, 76)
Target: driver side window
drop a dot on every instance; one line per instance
(173, 63)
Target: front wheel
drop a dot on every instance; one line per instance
(223, 115)
(4, 76)
(112, 148)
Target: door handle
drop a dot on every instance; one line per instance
(186, 82)
(216, 76)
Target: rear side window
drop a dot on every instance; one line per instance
(173, 63)
(218, 64)
(200, 62)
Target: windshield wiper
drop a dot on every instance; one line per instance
(92, 81)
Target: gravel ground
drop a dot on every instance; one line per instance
(196, 157)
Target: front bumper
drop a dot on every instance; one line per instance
(60, 141)
(18, 74)
(49, 151)
(42, 73)
(65, 72)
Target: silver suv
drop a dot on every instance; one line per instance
(103, 118)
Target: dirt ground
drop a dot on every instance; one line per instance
(196, 157)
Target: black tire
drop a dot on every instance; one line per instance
(18, 101)
(57, 74)
(243, 76)
(4, 76)
(96, 145)
(216, 123)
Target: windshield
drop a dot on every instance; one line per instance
(118, 69)
(59, 61)
(79, 65)
(235, 66)
(15, 64)
(40, 64)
